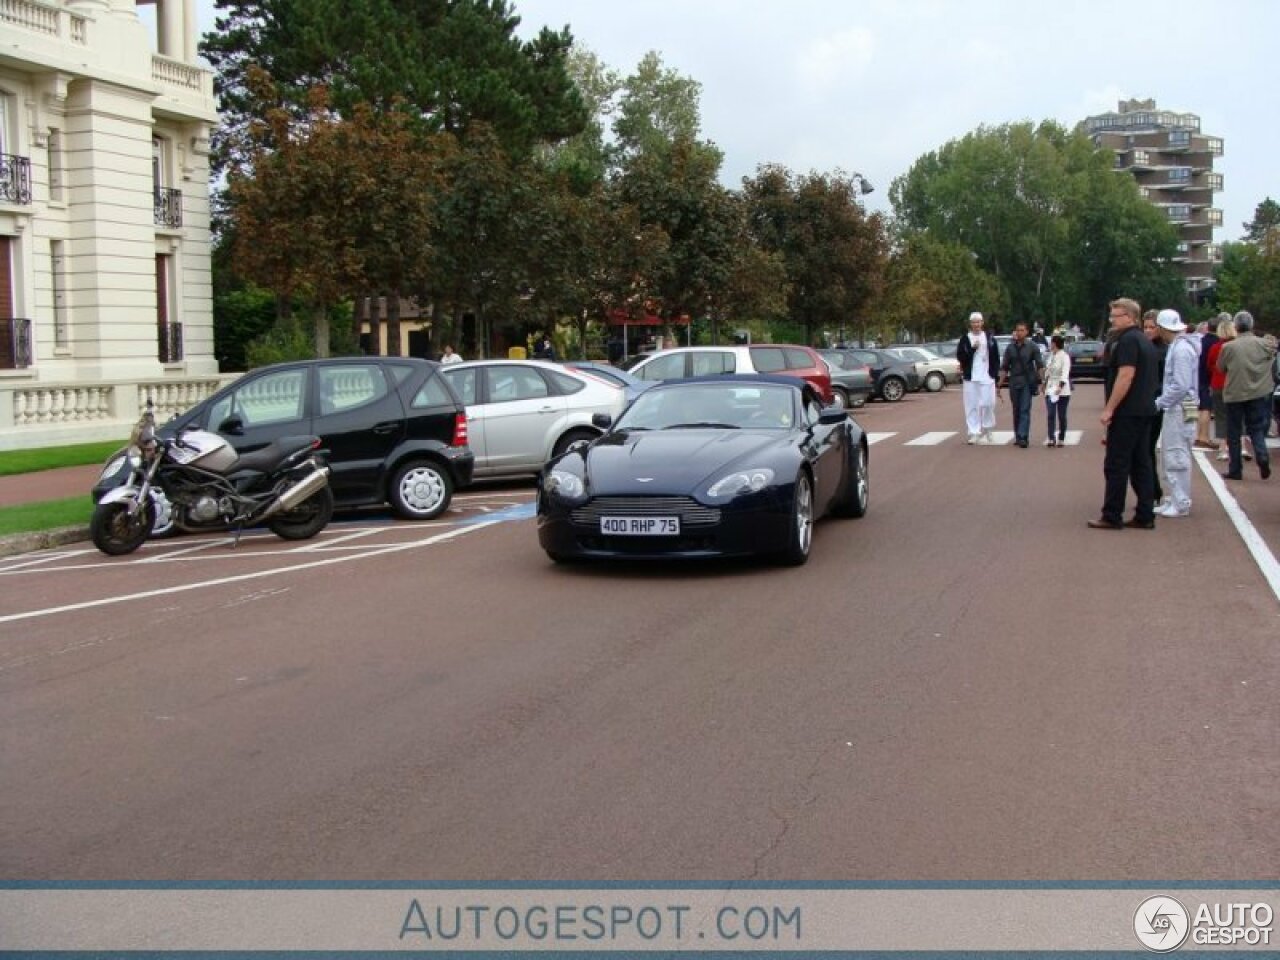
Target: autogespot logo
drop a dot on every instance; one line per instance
(1161, 924)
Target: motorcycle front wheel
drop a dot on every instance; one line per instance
(116, 533)
(306, 519)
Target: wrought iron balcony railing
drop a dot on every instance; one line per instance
(169, 342)
(15, 343)
(168, 203)
(15, 179)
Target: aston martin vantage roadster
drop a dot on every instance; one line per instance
(706, 467)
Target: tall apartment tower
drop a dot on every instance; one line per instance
(1172, 162)
(105, 292)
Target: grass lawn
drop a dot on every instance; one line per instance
(46, 515)
(49, 458)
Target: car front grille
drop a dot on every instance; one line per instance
(691, 512)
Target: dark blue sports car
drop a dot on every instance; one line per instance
(706, 467)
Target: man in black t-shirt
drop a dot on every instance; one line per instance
(1130, 391)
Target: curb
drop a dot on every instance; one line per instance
(41, 540)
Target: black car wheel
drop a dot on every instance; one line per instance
(935, 382)
(893, 389)
(797, 551)
(420, 490)
(306, 519)
(857, 492)
(841, 397)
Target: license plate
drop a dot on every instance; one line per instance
(640, 526)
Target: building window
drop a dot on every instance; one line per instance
(58, 291)
(168, 332)
(168, 201)
(57, 168)
(1178, 212)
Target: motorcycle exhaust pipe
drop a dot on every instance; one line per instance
(311, 483)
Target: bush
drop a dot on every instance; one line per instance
(285, 342)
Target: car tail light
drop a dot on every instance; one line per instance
(459, 430)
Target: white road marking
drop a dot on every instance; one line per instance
(324, 543)
(877, 437)
(930, 439)
(1257, 547)
(1001, 438)
(1073, 438)
(239, 578)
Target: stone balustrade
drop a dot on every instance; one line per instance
(42, 415)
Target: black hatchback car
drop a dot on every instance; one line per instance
(394, 430)
(1086, 360)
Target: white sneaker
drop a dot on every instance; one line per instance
(1164, 502)
(973, 438)
(1223, 456)
(1171, 511)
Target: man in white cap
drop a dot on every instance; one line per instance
(979, 360)
(1178, 404)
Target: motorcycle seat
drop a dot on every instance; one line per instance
(271, 456)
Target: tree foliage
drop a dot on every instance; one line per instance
(1047, 215)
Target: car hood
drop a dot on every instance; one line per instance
(676, 461)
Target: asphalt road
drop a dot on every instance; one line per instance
(965, 684)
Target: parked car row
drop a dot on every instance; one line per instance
(409, 432)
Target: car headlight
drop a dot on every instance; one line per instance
(743, 481)
(564, 484)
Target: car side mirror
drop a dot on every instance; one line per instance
(233, 426)
(602, 421)
(833, 414)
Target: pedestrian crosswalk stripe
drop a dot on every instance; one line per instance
(877, 437)
(1073, 438)
(1001, 438)
(931, 439)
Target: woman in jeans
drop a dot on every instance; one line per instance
(1057, 391)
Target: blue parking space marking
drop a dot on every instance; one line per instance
(521, 511)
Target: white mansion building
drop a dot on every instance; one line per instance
(105, 292)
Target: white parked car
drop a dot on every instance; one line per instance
(521, 413)
(935, 371)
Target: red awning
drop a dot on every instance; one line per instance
(620, 318)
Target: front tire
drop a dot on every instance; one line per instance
(797, 552)
(306, 519)
(857, 494)
(420, 490)
(935, 382)
(116, 533)
(893, 389)
(841, 397)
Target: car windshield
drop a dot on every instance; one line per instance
(723, 406)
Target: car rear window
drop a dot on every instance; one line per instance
(768, 359)
(433, 393)
(565, 384)
(464, 383)
(798, 359)
(710, 363)
(346, 387)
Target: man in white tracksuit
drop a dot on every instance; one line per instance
(1178, 402)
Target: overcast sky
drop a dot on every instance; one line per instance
(869, 86)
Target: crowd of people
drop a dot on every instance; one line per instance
(1167, 386)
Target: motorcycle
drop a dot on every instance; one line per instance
(196, 481)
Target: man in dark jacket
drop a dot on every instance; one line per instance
(1020, 372)
(1130, 392)
(979, 359)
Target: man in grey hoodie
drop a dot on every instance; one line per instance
(1178, 404)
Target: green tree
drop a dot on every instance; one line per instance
(932, 286)
(1264, 229)
(834, 252)
(447, 63)
(1249, 279)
